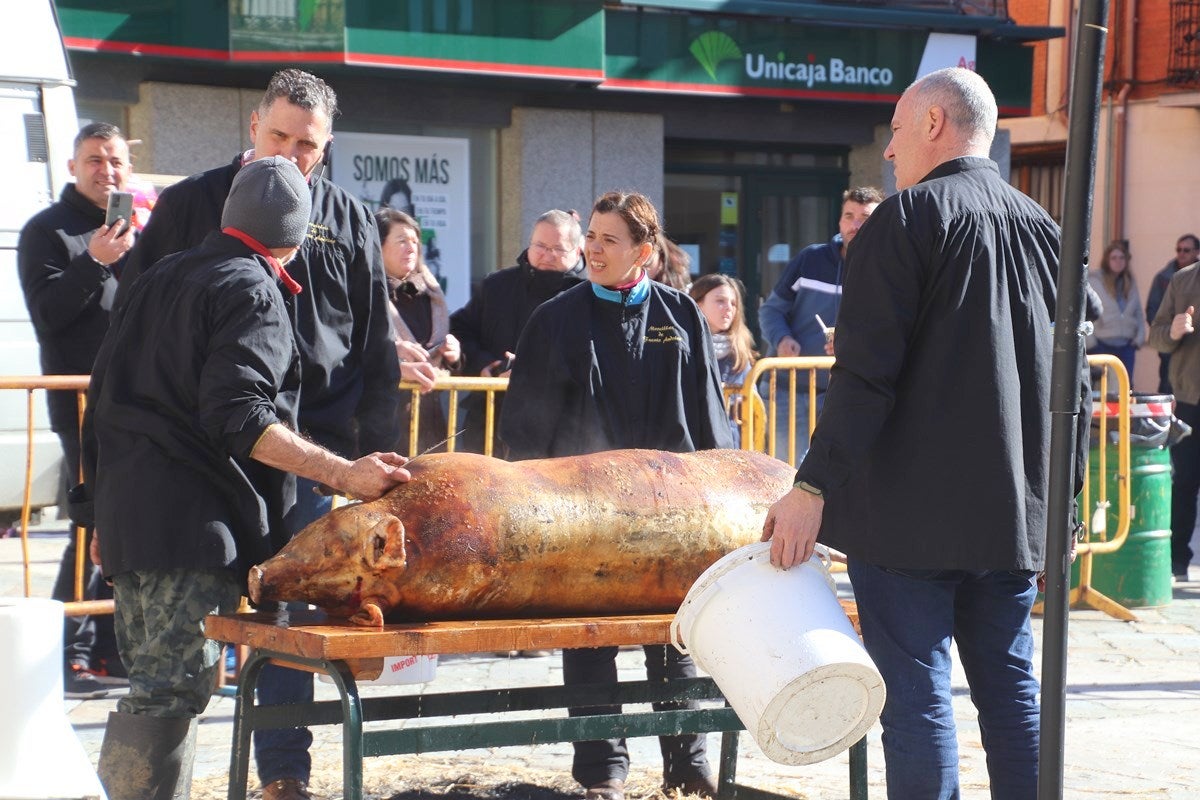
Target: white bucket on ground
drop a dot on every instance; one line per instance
(779, 646)
(40, 756)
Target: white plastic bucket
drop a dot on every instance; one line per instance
(40, 756)
(779, 646)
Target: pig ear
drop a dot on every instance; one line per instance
(369, 616)
(384, 546)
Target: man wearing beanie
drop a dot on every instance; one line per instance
(188, 455)
(350, 398)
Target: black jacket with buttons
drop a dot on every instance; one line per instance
(64, 288)
(349, 398)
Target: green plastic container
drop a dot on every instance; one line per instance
(1139, 574)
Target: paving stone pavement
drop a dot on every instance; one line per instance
(1133, 698)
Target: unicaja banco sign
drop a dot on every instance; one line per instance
(715, 47)
(812, 73)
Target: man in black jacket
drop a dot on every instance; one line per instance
(68, 258)
(490, 324)
(929, 463)
(349, 398)
(187, 449)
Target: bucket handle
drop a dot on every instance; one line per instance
(675, 640)
(820, 552)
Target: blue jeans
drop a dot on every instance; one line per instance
(283, 752)
(908, 618)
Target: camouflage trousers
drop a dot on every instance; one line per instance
(159, 624)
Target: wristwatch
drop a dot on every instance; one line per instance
(805, 486)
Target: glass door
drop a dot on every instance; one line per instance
(747, 213)
(784, 214)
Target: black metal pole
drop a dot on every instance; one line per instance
(1084, 110)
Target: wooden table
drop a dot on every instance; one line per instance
(311, 641)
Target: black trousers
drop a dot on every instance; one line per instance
(86, 636)
(605, 759)
(1185, 483)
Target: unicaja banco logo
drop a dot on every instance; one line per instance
(711, 48)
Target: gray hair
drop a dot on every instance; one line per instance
(966, 98)
(97, 130)
(301, 89)
(563, 220)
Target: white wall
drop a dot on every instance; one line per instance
(1162, 198)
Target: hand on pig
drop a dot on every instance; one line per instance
(372, 476)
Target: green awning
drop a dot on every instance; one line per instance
(820, 51)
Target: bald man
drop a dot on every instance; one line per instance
(928, 466)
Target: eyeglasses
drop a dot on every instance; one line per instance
(561, 252)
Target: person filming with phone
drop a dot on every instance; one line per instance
(69, 259)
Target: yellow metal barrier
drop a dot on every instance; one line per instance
(792, 370)
(1094, 513)
(31, 384)
(453, 386)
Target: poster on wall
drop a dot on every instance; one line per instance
(425, 176)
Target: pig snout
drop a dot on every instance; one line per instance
(255, 584)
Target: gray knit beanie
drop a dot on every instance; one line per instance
(270, 201)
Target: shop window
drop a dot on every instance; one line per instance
(1038, 172)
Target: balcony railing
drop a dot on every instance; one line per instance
(1183, 55)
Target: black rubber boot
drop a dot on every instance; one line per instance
(147, 758)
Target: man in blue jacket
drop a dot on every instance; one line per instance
(811, 285)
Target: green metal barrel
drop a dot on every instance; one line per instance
(1139, 574)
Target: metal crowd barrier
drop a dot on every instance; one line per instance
(793, 377)
(454, 387)
(790, 377)
(1085, 595)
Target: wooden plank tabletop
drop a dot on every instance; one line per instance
(312, 634)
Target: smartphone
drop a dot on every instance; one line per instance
(120, 206)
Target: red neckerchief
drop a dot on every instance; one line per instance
(281, 273)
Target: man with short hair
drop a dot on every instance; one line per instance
(68, 259)
(350, 397)
(490, 324)
(188, 448)
(1187, 251)
(929, 464)
(1173, 333)
(810, 286)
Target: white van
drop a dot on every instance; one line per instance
(38, 124)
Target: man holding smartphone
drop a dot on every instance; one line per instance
(68, 260)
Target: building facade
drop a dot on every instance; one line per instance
(1147, 189)
(742, 119)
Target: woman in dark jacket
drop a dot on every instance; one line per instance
(618, 362)
(418, 311)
